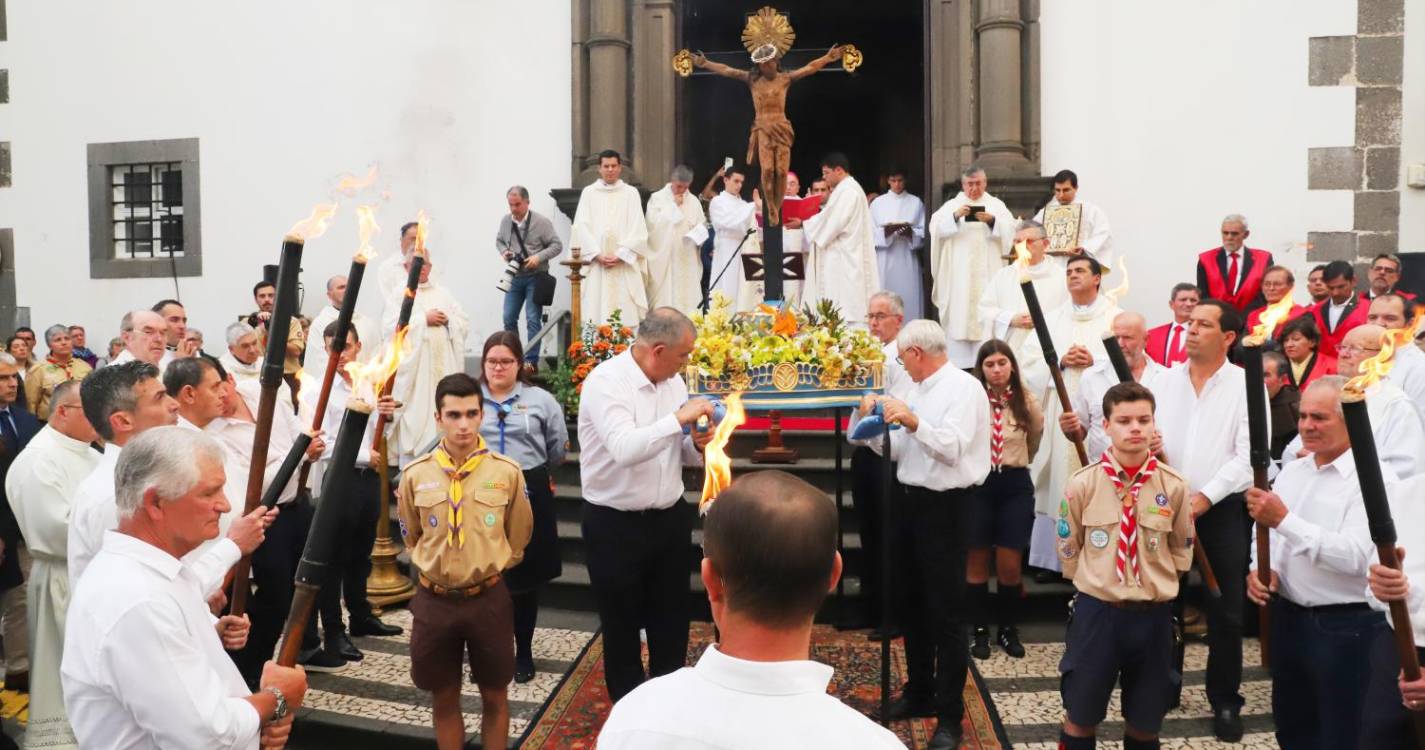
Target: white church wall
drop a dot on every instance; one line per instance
(1412, 130)
(1176, 114)
(453, 100)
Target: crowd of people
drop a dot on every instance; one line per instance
(124, 477)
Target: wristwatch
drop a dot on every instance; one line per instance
(279, 713)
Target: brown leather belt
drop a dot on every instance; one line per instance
(464, 592)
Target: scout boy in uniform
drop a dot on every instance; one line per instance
(465, 517)
(1124, 536)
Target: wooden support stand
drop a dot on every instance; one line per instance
(386, 586)
(575, 264)
(774, 452)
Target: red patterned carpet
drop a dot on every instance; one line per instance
(574, 714)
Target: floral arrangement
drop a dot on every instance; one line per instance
(596, 343)
(734, 349)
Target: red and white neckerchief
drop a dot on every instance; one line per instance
(998, 402)
(1128, 515)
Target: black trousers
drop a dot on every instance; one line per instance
(274, 564)
(353, 566)
(639, 562)
(1320, 669)
(930, 547)
(867, 476)
(1222, 532)
(1385, 722)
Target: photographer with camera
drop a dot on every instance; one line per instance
(527, 242)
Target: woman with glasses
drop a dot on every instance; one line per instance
(1002, 509)
(1301, 343)
(525, 423)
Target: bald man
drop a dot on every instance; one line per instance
(1085, 422)
(1395, 419)
(1396, 313)
(145, 336)
(315, 363)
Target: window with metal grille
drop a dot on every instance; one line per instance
(148, 210)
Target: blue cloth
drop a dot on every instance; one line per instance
(522, 293)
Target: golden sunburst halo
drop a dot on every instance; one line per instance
(767, 26)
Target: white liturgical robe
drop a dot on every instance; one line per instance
(673, 273)
(898, 258)
(964, 256)
(1057, 459)
(1003, 300)
(842, 245)
(431, 353)
(732, 218)
(1095, 237)
(609, 223)
(314, 362)
(41, 482)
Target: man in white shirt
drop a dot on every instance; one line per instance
(841, 266)
(1202, 414)
(40, 485)
(1321, 549)
(637, 526)
(943, 452)
(1085, 422)
(899, 219)
(1167, 343)
(120, 402)
(1095, 237)
(144, 664)
(274, 563)
(315, 360)
(969, 237)
(734, 225)
(763, 601)
(243, 359)
(885, 316)
(610, 230)
(144, 334)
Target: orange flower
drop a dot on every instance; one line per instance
(601, 346)
(619, 348)
(606, 330)
(575, 349)
(625, 332)
(785, 324)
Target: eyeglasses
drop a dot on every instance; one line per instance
(873, 317)
(1353, 350)
(501, 363)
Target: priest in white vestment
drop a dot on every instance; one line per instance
(434, 347)
(391, 270)
(1077, 328)
(1095, 236)
(314, 362)
(842, 244)
(40, 485)
(966, 249)
(611, 233)
(900, 238)
(1004, 309)
(676, 230)
(732, 220)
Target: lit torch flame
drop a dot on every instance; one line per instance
(315, 225)
(717, 471)
(1271, 315)
(350, 185)
(422, 226)
(366, 221)
(1021, 260)
(1119, 292)
(369, 378)
(1377, 367)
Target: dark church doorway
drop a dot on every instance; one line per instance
(876, 116)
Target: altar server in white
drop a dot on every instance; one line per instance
(1095, 237)
(900, 239)
(843, 245)
(966, 249)
(734, 226)
(1003, 306)
(676, 229)
(434, 347)
(610, 231)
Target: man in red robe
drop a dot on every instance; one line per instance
(1277, 282)
(1384, 277)
(1343, 308)
(1233, 272)
(1167, 344)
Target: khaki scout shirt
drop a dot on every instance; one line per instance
(1021, 442)
(41, 380)
(496, 518)
(1087, 531)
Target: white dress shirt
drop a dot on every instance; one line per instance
(1322, 549)
(95, 513)
(1398, 428)
(1088, 402)
(631, 447)
(128, 356)
(725, 702)
(1409, 374)
(236, 437)
(1410, 533)
(898, 383)
(143, 665)
(1205, 435)
(950, 448)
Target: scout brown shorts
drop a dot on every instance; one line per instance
(446, 630)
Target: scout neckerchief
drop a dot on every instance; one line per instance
(455, 531)
(999, 402)
(63, 365)
(1128, 517)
